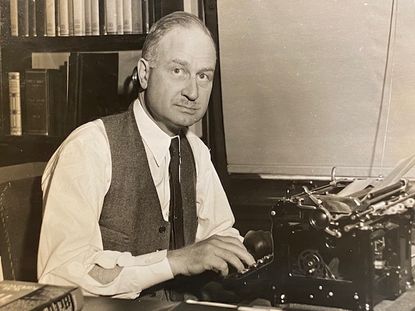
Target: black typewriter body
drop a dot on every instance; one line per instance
(346, 252)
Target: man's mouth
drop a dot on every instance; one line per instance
(186, 108)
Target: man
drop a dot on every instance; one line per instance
(109, 223)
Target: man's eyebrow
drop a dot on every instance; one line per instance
(204, 69)
(180, 61)
(185, 64)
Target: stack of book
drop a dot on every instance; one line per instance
(52, 102)
(32, 18)
(27, 296)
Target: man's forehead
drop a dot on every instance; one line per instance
(194, 38)
(188, 58)
(187, 45)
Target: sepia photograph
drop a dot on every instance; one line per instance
(175, 155)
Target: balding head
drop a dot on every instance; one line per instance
(164, 26)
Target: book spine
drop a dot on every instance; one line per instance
(79, 17)
(15, 104)
(60, 90)
(63, 18)
(70, 17)
(57, 18)
(73, 81)
(23, 18)
(111, 17)
(37, 102)
(88, 18)
(40, 18)
(72, 301)
(137, 17)
(102, 17)
(147, 15)
(14, 18)
(127, 16)
(50, 109)
(119, 15)
(95, 17)
(50, 18)
(32, 18)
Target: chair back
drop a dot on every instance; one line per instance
(20, 219)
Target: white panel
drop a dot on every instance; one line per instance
(302, 85)
(400, 128)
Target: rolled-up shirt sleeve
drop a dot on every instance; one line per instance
(74, 185)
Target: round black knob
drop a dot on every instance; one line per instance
(318, 220)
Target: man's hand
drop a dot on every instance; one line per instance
(214, 254)
(258, 243)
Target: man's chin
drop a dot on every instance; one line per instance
(188, 120)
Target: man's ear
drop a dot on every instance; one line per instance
(143, 72)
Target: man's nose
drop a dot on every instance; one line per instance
(191, 89)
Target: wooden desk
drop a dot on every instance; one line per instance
(110, 304)
(406, 302)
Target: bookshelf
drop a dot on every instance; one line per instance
(16, 56)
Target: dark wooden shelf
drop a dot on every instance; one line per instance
(30, 139)
(75, 44)
(21, 149)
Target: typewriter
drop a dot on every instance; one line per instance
(336, 247)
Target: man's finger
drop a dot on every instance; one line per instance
(237, 250)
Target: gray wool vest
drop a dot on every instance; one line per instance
(131, 218)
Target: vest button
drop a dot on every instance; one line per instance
(162, 229)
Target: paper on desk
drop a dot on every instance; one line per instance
(357, 185)
(394, 176)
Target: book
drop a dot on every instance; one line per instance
(95, 20)
(60, 87)
(102, 17)
(127, 17)
(57, 19)
(70, 118)
(23, 18)
(38, 114)
(148, 14)
(27, 296)
(15, 104)
(63, 18)
(119, 16)
(32, 18)
(50, 18)
(40, 18)
(110, 17)
(79, 17)
(88, 18)
(70, 17)
(93, 86)
(14, 18)
(136, 17)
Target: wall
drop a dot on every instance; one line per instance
(308, 85)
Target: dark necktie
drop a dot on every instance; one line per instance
(176, 208)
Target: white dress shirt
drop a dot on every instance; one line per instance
(74, 185)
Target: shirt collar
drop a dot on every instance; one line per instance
(157, 141)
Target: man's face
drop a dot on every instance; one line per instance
(180, 79)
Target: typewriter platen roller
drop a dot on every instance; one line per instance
(347, 251)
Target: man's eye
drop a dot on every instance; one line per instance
(177, 71)
(204, 77)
